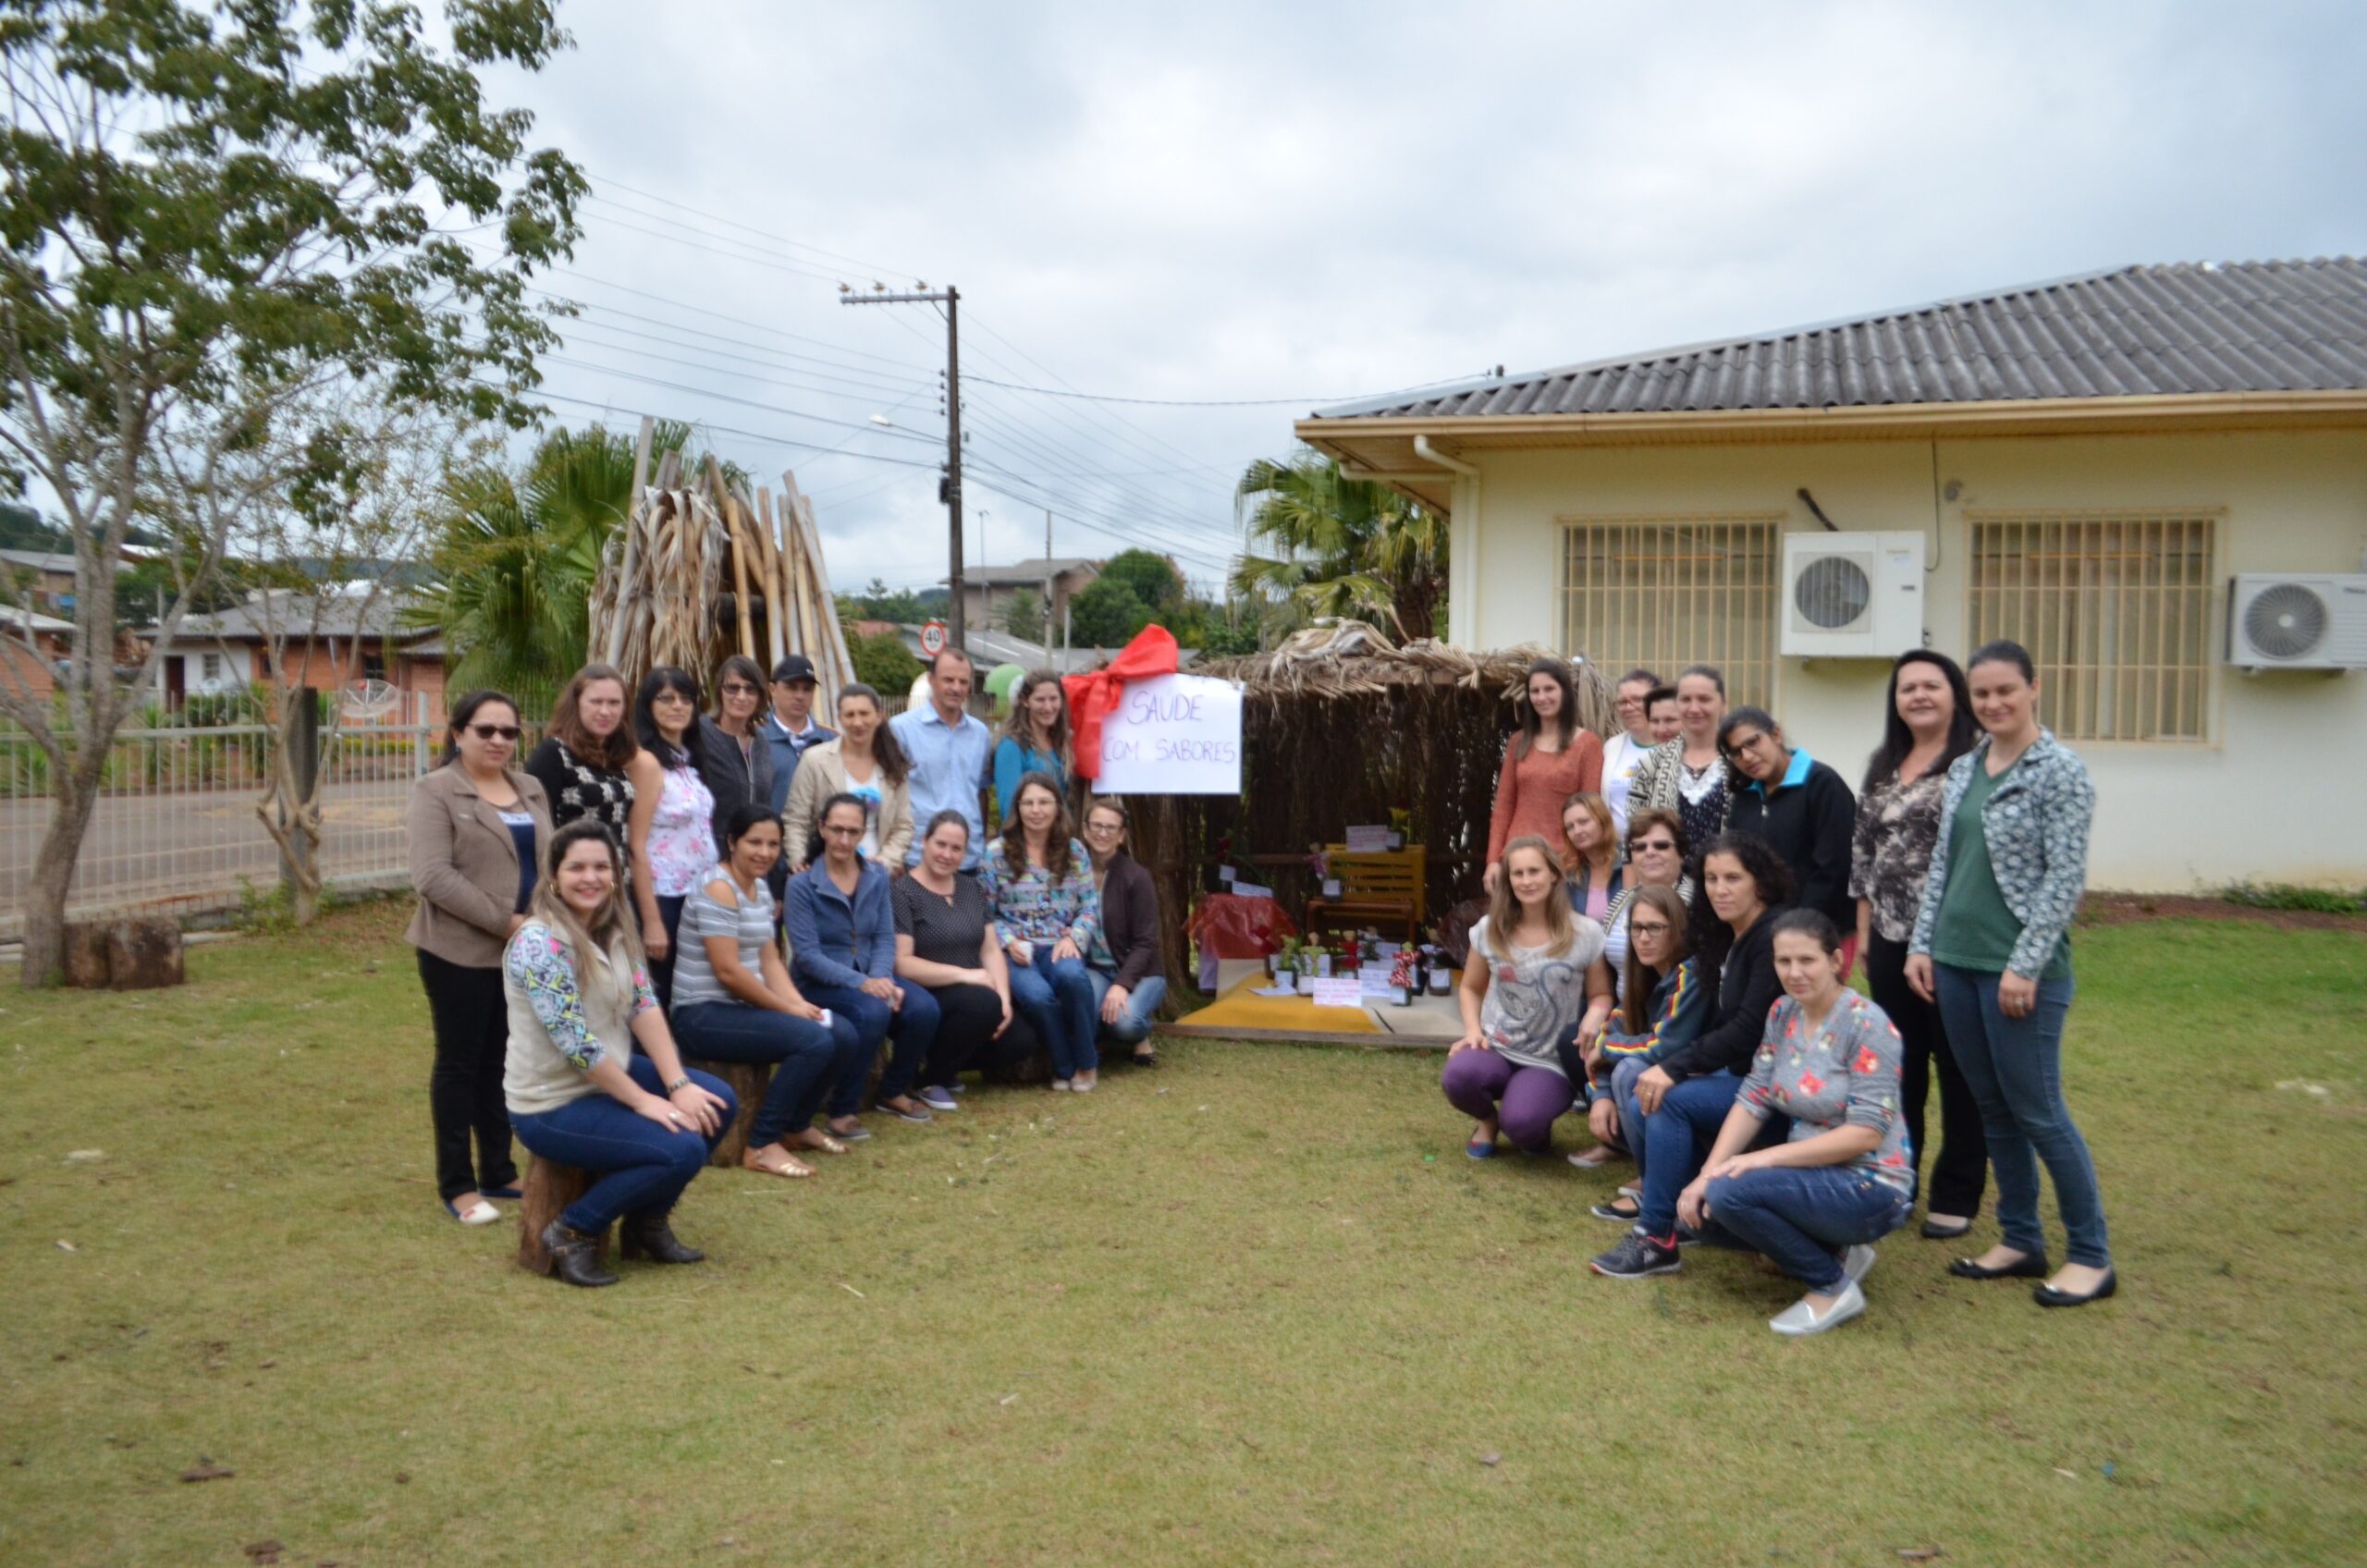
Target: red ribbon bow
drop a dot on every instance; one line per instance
(1095, 692)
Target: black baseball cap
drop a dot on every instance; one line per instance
(795, 667)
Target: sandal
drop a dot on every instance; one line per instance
(815, 1138)
(1146, 1058)
(790, 1167)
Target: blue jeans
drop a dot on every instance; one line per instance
(1676, 1140)
(1142, 1005)
(1058, 998)
(647, 1166)
(912, 1027)
(1800, 1217)
(803, 1057)
(2015, 1069)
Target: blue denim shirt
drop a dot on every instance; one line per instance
(950, 766)
(835, 940)
(787, 748)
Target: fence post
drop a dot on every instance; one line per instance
(304, 766)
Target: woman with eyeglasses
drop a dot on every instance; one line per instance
(1665, 1006)
(1047, 908)
(1991, 947)
(1801, 806)
(1122, 959)
(841, 922)
(1927, 725)
(732, 757)
(670, 834)
(1687, 775)
(867, 761)
(1623, 753)
(1656, 854)
(1550, 757)
(477, 827)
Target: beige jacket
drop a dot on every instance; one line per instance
(821, 774)
(464, 865)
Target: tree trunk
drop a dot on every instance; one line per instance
(76, 792)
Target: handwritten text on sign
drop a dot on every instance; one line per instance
(1172, 735)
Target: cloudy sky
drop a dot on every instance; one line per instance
(1309, 202)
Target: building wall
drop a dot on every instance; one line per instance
(2271, 795)
(21, 672)
(237, 667)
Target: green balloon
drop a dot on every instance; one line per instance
(999, 681)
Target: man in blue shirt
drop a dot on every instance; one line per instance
(949, 752)
(790, 730)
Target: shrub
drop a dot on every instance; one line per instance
(2289, 896)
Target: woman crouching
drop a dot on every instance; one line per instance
(1843, 1179)
(578, 998)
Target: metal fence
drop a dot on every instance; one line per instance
(176, 830)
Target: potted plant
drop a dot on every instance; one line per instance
(1286, 964)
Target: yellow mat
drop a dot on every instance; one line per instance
(1241, 1007)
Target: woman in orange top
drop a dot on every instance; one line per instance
(1548, 762)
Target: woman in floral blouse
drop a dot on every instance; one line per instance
(579, 1000)
(1993, 947)
(1815, 1201)
(1928, 724)
(1040, 882)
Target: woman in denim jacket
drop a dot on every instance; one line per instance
(1993, 947)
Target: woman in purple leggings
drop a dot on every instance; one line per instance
(1536, 981)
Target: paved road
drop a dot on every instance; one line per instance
(196, 846)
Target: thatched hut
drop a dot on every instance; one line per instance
(1340, 725)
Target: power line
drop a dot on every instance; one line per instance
(610, 406)
(1211, 402)
(872, 267)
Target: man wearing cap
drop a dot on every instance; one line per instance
(790, 730)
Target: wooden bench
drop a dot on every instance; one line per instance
(748, 1082)
(550, 1188)
(1386, 887)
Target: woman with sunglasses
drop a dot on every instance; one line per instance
(670, 834)
(478, 827)
(734, 759)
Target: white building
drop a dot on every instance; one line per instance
(2085, 466)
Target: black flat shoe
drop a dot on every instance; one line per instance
(2047, 1296)
(2032, 1266)
(1945, 1232)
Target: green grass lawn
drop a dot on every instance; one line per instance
(1256, 1308)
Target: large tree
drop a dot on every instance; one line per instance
(212, 214)
(1341, 547)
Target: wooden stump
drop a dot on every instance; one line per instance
(748, 1081)
(86, 955)
(144, 954)
(550, 1188)
(1035, 1068)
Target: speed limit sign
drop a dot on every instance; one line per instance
(933, 638)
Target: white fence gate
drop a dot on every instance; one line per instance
(175, 828)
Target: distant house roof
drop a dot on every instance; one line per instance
(1022, 574)
(342, 617)
(11, 615)
(51, 561)
(2199, 328)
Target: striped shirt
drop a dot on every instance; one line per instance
(751, 926)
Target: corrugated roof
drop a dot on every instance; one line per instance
(1026, 574)
(2196, 328)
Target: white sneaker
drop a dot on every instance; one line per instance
(1800, 1319)
(1085, 1088)
(1060, 1086)
(1856, 1262)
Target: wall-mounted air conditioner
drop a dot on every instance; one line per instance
(2287, 621)
(1852, 595)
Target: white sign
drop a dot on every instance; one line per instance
(1373, 978)
(1368, 841)
(1337, 993)
(1172, 735)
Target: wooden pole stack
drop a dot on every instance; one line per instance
(701, 569)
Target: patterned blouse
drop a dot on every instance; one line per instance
(578, 789)
(1701, 801)
(1030, 907)
(1535, 999)
(1891, 851)
(1843, 1074)
(682, 845)
(544, 967)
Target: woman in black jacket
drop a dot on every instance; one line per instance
(1686, 1097)
(1802, 808)
(1124, 962)
(731, 755)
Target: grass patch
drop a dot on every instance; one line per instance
(1269, 1314)
(2291, 896)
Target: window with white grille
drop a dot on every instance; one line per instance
(1663, 593)
(2115, 610)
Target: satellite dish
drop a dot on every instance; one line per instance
(370, 699)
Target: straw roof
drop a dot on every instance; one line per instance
(1354, 658)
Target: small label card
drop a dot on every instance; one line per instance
(1337, 993)
(1369, 839)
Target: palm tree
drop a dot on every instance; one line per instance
(1346, 547)
(514, 557)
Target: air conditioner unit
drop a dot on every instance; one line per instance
(2279, 620)
(1852, 595)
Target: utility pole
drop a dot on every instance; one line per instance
(1047, 581)
(950, 487)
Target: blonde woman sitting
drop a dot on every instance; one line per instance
(1536, 981)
